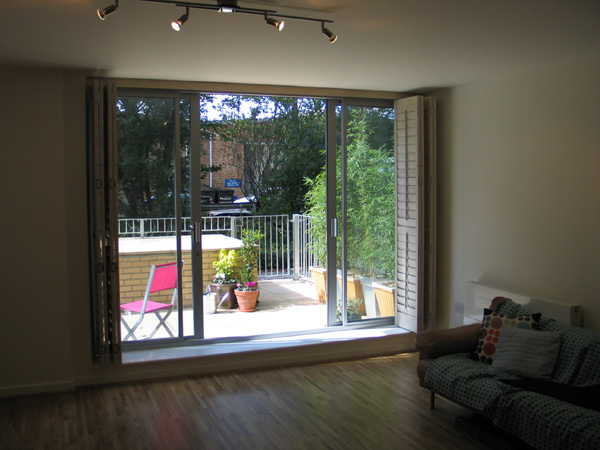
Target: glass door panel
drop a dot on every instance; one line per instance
(367, 164)
(261, 155)
(147, 210)
(184, 160)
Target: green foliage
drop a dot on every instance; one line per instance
(249, 253)
(370, 202)
(146, 156)
(352, 307)
(225, 266)
(316, 197)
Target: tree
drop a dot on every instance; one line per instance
(146, 156)
(282, 139)
(301, 132)
(145, 145)
(370, 201)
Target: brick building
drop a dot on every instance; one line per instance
(224, 154)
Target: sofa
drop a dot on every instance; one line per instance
(533, 377)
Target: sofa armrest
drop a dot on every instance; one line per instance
(434, 343)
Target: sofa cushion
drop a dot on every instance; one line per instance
(527, 353)
(490, 331)
(465, 381)
(547, 423)
(586, 396)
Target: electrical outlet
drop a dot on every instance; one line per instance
(459, 308)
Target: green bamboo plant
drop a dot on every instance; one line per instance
(370, 200)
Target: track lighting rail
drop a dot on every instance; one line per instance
(227, 6)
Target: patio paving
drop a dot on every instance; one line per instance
(285, 306)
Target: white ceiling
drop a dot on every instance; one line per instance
(393, 45)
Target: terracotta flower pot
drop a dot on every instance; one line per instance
(247, 300)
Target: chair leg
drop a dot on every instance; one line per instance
(431, 399)
(130, 331)
(162, 323)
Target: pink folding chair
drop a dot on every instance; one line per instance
(162, 277)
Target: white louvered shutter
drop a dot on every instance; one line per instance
(415, 213)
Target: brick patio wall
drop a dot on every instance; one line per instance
(134, 269)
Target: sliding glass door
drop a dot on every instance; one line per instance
(153, 132)
(197, 171)
(365, 207)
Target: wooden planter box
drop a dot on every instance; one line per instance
(319, 276)
(354, 290)
(353, 286)
(385, 299)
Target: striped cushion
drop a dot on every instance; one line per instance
(527, 353)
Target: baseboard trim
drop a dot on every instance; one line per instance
(37, 389)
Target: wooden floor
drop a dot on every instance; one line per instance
(365, 404)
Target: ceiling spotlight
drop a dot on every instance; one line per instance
(177, 24)
(103, 12)
(227, 6)
(327, 32)
(279, 24)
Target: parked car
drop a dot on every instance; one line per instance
(229, 212)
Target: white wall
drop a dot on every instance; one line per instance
(34, 331)
(519, 187)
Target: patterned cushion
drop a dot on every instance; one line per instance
(490, 331)
(512, 308)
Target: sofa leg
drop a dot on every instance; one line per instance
(431, 399)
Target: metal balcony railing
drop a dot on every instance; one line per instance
(285, 249)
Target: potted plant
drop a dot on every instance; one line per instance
(353, 309)
(224, 281)
(247, 290)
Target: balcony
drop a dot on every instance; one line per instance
(289, 301)
(285, 306)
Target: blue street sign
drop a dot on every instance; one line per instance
(233, 182)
